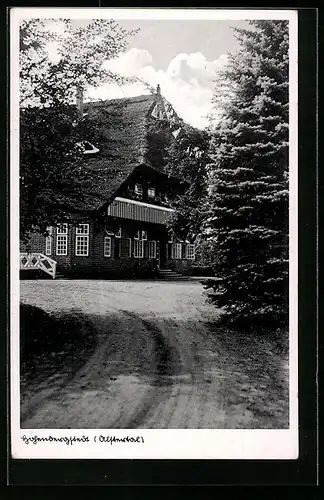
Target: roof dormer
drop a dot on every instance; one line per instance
(87, 148)
(158, 112)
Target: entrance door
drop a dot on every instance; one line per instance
(117, 248)
(162, 254)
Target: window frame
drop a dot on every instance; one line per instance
(138, 189)
(82, 235)
(80, 232)
(48, 246)
(140, 243)
(119, 232)
(106, 238)
(62, 229)
(189, 247)
(84, 150)
(150, 256)
(61, 247)
(177, 251)
(149, 192)
(49, 242)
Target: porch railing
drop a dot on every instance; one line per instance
(32, 261)
(139, 211)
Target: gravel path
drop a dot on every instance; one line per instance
(158, 362)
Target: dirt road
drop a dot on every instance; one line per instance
(157, 363)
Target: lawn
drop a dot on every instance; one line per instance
(109, 354)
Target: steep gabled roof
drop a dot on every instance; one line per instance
(124, 127)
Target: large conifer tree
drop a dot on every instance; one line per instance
(248, 218)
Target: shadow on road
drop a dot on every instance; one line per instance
(126, 370)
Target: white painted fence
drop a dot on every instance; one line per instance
(32, 261)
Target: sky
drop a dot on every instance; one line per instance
(183, 57)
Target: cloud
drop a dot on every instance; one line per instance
(129, 63)
(187, 83)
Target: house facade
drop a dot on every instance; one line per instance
(123, 231)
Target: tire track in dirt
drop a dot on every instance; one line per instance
(159, 354)
(116, 347)
(116, 358)
(166, 361)
(188, 381)
(135, 357)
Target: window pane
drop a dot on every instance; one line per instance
(62, 229)
(190, 251)
(138, 249)
(48, 245)
(82, 229)
(176, 250)
(82, 246)
(138, 189)
(107, 246)
(61, 245)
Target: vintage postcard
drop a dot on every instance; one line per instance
(153, 221)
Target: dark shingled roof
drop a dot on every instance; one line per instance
(123, 126)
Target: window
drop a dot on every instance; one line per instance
(107, 246)
(48, 241)
(151, 192)
(170, 237)
(62, 229)
(139, 189)
(152, 249)
(118, 234)
(61, 239)
(48, 245)
(82, 240)
(82, 229)
(138, 249)
(87, 148)
(176, 132)
(190, 251)
(144, 235)
(157, 112)
(137, 235)
(176, 250)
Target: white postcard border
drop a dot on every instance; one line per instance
(169, 443)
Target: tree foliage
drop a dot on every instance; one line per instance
(51, 174)
(248, 195)
(187, 157)
(57, 58)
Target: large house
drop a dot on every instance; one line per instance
(123, 229)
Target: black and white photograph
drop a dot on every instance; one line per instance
(154, 233)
